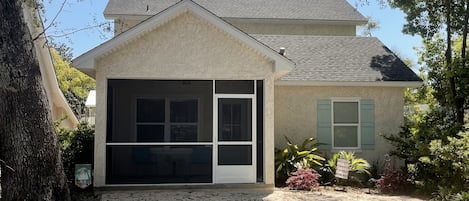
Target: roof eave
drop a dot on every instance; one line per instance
(110, 16)
(296, 21)
(403, 84)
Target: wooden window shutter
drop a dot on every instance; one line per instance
(324, 132)
(367, 124)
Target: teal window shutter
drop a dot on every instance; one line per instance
(324, 124)
(367, 124)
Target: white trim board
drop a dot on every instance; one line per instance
(299, 83)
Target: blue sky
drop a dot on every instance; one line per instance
(78, 14)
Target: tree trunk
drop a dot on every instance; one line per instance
(460, 100)
(28, 143)
(451, 76)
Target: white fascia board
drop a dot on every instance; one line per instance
(126, 16)
(86, 60)
(253, 20)
(405, 84)
(295, 21)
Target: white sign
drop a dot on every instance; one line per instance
(343, 167)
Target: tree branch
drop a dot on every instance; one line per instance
(53, 20)
(78, 30)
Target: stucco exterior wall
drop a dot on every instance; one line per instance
(296, 29)
(121, 25)
(186, 47)
(296, 117)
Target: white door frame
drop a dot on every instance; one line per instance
(234, 173)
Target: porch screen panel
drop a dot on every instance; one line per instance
(159, 164)
(159, 132)
(160, 111)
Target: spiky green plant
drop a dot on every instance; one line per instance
(305, 153)
(357, 165)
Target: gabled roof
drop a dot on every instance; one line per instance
(318, 10)
(340, 59)
(86, 61)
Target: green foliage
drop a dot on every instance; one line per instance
(74, 84)
(294, 155)
(358, 166)
(444, 59)
(76, 146)
(449, 162)
(433, 57)
(428, 17)
(432, 151)
(448, 194)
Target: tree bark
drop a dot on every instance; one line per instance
(460, 100)
(451, 76)
(28, 143)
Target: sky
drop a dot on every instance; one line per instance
(78, 14)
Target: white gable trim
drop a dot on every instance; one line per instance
(86, 61)
(299, 83)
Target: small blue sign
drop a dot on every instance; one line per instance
(83, 177)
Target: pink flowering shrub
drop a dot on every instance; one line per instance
(392, 181)
(303, 179)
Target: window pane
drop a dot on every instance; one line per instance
(345, 112)
(159, 164)
(184, 133)
(184, 111)
(234, 87)
(234, 155)
(345, 136)
(234, 123)
(150, 133)
(150, 110)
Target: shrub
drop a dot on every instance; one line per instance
(449, 162)
(303, 179)
(413, 145)
(327, 176)
(76, 146)
(286, 159)
(392, 181)
(359, 167)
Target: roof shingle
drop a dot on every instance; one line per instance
(339, 58)
(338, 10)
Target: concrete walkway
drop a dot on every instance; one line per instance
(247, 194)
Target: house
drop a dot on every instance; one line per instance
(59, 107)
(200, 92)
(90, 105)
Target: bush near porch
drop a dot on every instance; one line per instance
(77, 147)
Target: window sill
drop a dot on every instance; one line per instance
(356, 150)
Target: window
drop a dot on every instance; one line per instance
(167, 120)
(345, 124)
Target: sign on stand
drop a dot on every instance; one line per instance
(343, 167)
(83, 175)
